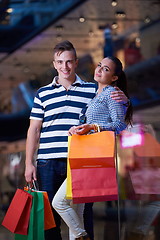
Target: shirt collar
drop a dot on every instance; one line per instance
(77, 82)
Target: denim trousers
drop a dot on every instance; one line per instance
(72, 214)
(50, 175)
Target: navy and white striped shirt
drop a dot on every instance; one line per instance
(59, 109)
(106, 112)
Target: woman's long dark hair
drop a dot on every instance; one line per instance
(121, 82)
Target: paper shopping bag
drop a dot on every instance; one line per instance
(17, 217)
(92, 166)
(49, 221)
(36, 223)
(94, 185)
(93, 150)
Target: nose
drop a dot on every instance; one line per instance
(100, 69)
(65, 64)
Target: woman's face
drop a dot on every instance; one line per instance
(104, 72)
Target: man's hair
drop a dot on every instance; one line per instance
(64, 46)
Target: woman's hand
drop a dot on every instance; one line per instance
(72, 131)
(80, 130)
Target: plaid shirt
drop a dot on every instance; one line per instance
(106, 112)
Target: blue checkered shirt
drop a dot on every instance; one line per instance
(106, 112)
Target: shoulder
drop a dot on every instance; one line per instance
(45, 88)
(109, 89)
(88, 85)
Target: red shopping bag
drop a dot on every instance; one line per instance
(17, 216)
(94, 185)
(92, 163)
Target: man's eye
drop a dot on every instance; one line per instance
(70, 61)
(105, 69)
(99, 65)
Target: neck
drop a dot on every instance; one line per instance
(66, 83)
(100, 88)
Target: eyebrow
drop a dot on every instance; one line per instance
(105, 66)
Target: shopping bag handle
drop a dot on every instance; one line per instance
(33, 185)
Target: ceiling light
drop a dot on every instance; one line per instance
(147, 19)
(91, 33)
(59, 37)
(114, 3)
(26, 69)
(120, 14)
(82, 19)
(59, 27)
(114, 25)
(9, 10)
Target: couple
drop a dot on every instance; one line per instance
(56, 111)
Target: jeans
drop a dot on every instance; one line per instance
(50, 176)
(72, 214)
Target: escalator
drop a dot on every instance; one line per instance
(28, 18)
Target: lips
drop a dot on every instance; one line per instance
(98, 75)
(65, 72)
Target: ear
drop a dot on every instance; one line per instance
(114, 78)
(54, 64)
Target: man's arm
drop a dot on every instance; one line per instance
(32, 142)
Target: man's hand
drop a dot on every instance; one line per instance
(119, 96)
(30, 173)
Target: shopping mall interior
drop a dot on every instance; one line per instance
(127, 29)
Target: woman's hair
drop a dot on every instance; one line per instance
(121, 82)
(64, 46)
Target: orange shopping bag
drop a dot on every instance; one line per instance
(92, 164)
(93, 150)
(49, 221)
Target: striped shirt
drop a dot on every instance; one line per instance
(59, 109)
(106, 112)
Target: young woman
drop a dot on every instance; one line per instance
(102, 114)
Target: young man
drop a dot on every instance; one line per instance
(56, 108)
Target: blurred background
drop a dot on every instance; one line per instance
(128, 29)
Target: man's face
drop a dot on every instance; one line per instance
(65, 64)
